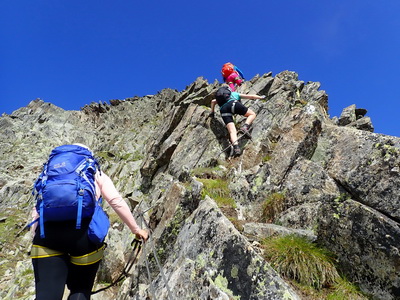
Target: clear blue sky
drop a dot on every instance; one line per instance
(74, 52)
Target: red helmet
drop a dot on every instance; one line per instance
(227, 69)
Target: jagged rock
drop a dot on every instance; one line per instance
(363, 124)
(367, 244)
(260, 231)
(361, 163)
(285, 83)
(306, 187)
(218, 263)
(355, 117)
(348, 115)
(300, 140)
(115, 102)
(260, 86)
(114, 259)
(338, 183)
(312, 93)
(335, 120)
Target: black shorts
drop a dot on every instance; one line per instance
(61, 258)
(232, 108)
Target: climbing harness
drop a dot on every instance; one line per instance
(89, 259)
(43, 252)
(232, 109)
(38, 251)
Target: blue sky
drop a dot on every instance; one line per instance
(72, 52)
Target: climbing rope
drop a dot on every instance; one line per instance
(230, 145)
(137, 245)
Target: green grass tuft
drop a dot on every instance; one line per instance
(213, 172)
(344, 289)
(272, 206)
(266, 158)
(218, 189)
(298, 259)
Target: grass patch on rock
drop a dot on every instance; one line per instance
(216, 186)
(311, 269)
(210, 172)
(297, 259)
(218, 189)
(344, 289)
(272, 206)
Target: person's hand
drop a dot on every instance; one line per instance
(212, 114)
(142, 234)
(262, 97)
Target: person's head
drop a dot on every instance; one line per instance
(83, 146)
(227, 69)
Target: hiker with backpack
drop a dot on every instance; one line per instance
(232, 75)
(229, 105)
(69, 224)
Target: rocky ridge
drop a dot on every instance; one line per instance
(340, 183)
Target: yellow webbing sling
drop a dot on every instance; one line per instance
(42, 252)
(87, 259)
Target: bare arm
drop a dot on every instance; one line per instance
(245, 96)
(213, 103)
(110, 193)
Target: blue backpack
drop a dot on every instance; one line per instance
(65, 190)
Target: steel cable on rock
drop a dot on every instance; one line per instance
(152, 249)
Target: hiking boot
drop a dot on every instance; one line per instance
(246, 130)
(236, 150)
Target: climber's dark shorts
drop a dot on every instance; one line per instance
(65, 256)
(232, 108)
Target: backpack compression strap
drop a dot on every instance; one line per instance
(81, 170)
(81, 191)
(40, 197)
(41, 219)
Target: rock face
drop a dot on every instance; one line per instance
(340, 185)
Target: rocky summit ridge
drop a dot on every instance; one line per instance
(340, 183)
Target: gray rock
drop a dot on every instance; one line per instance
(260, 231)
(363, 123)
(348, 115)
(340, 183)
(367, 244)
(217, 263)
(355, 117)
